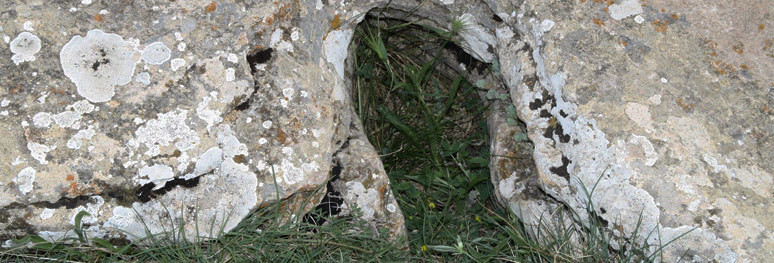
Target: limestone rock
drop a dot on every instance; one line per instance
(663, 107)
(146, 114)
(663, 103)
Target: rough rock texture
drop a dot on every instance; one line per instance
(149, 113)
(667, 101)
(169, 107)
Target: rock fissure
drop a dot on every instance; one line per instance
(148, 191)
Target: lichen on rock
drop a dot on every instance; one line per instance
(24, 47)
(97, 63)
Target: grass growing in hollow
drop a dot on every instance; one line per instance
(427, 123)
(261, 237)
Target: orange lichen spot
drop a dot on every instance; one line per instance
(56, 91)
(72, 189)
(281, 136)
(623, 43)
(767, 44)
(606, 10)
(765, 108)
(599, 22)
(744, 67)
(663, 10)
(714, 54)
(17, 89)
(675, 17)
(70, 177)
(659, 26)
(582, 1)
(609, 2)
(211, 7)
(722, 67)
(598, 1)
(336, 22)
(99, 18)
(684, 105)
(738, 48)
(761, 27)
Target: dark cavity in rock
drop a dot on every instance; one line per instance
(331, 202)
(259, 57)
(145, 193)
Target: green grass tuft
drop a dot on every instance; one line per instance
(428, 124)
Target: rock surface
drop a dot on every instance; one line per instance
(149, 113)
(665, 103)
(183, 108)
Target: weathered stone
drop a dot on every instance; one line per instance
(664, 107)
(147, 114)
(667, 112)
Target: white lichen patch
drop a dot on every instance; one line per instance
(277, 42)
(224, 80)
(42, 119)
(76, 141)
(289, 172)
(168, 128)
(231, 57)
(144, 78)
(39, 151)
(366, 199)
(208, 161)
(25, 179)
(335, 46)
(93, 208)
(68, 119)
(24, 47)
(159, 174)
(156, 53)
(82, 107)
(97, 63)
(640, 115)
(507, 187)
(210, 116)
(47, 213)
(650, 153)
(226, 193)
(391, 208)
(478, 38)
(176, 64)
(266, 124)
(546, 25)
(625, 9)
(230, 143)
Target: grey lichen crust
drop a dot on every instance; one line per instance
(662, 103)
(643, 99)
(233, 106)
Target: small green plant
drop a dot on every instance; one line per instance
(265, 236)
(427, 123)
